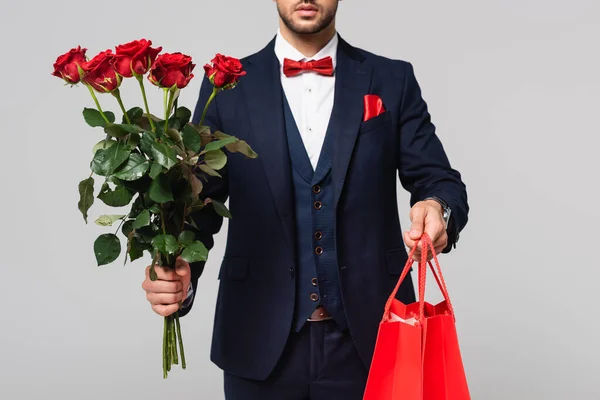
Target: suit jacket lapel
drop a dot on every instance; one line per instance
(353, 78)
(262, 92)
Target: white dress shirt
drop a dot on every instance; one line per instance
(310, 96)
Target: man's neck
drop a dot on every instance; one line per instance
(307, 44)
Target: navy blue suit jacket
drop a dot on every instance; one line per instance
(256, 291)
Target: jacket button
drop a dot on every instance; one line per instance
(318, 205)
(314, 297)
(314, 281)
(319, 250)
(318, 235)
(317, 189)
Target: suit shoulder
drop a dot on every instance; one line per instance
(397, 68)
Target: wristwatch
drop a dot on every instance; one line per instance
(446, 211)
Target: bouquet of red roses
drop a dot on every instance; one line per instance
(155, 164)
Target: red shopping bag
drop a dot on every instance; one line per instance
(417, 356)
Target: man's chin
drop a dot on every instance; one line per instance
(306, 28)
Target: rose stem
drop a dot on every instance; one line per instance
(180, 340)
(173, 342)
(165, 349)
(117, 94)
(166, 101)
(169, 351)
(97, 103)
(212, 96)
(143, 89)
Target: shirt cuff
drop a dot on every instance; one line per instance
(189, 298)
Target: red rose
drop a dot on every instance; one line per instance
(135, 57)
(224, 71)
(100, 73)
(65, 66)
(172, 69)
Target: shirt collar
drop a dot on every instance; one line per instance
(283, 49)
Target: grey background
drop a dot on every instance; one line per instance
(513, 87)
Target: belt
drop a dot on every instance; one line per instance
(320, 314)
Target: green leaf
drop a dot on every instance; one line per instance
(155, 209)
(133, 140)
(94, 118)
(191, 138)
(148, 139)
(116, 130)
(127, 227)
(184, 115)
(186, 238)
(107, 248)
(108, 220)
(155, 170)
(164, 155)
(215, 159)
(195, 252)
(218, 144)
(242, 147)
(105, 161)
(195, 183)
(142, 220)
(160, 190)
(103, 144)
(221, 209)
(208, 170)
(203, 130)
(174, 135)
(140, 185)
(115, 198)
(135, 167)
(131, 128)
(135, 248)
(137, 207)
(134, 115)
(86, 196)
(166, 244)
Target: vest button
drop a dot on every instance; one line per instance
(314, 297)
(314, 281)
(319, 250)
(318, 235)
(318, 205)
(317, 189)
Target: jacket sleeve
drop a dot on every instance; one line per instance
(208, 222)
(423, 165)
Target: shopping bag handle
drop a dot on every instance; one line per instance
(426, 245)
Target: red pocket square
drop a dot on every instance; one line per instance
(373, 106)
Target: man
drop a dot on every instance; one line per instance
(315, 244)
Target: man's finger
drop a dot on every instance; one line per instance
(182, 268)
(410, 243)
(166, 274)
(162, 286)
(417, 217)
(165, 310)
(164, 298)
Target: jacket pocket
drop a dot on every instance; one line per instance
(234, 268)
(382, 120)
(395, 260)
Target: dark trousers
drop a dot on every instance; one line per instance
(319, 363)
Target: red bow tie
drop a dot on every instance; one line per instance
(324, 66)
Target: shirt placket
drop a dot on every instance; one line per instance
(308, 114)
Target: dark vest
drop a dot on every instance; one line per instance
(317, 280)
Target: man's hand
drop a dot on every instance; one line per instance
(169, 288)
(426, 217)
